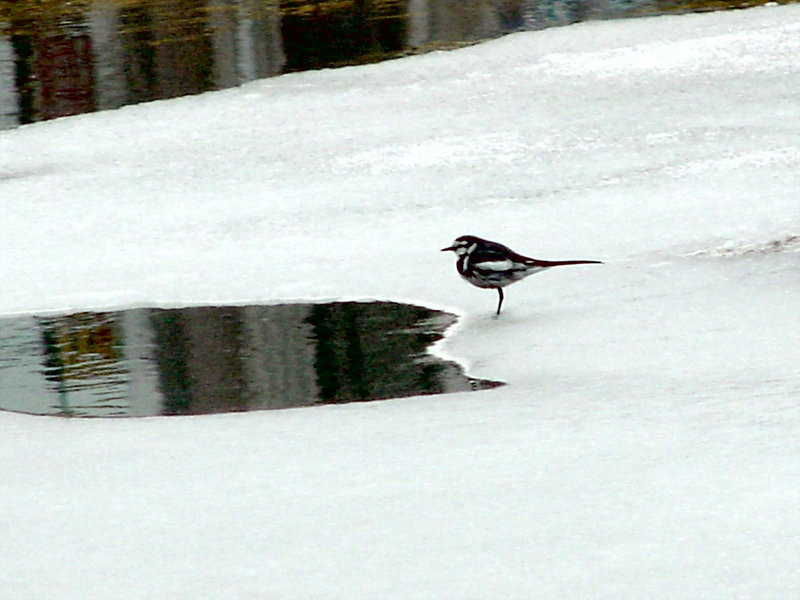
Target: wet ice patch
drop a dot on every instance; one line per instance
(787, 243)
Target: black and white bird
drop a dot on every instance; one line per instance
(491, 265)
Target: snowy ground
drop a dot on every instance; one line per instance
(648, 442)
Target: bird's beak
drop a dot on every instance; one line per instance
(450, 248)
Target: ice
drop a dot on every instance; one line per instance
(646, 445)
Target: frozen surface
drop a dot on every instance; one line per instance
(648, 442)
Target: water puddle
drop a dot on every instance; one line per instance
(214, 359)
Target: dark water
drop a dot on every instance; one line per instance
(64, 57)
(199, 360)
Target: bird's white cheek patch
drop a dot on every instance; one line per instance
(494, 265)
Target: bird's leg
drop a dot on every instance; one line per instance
(500, 303)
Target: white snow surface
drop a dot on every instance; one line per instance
(647, 444)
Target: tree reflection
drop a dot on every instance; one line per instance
(200, 360)
(73, 56)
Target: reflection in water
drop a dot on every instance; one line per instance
(79, 353)
(64, 57)
(222, 359)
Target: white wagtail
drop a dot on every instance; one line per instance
(493, 266)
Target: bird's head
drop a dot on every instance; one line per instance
(462, 245)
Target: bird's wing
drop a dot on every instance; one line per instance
(489, 252)
(493, 265)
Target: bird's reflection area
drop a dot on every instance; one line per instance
(214, 359)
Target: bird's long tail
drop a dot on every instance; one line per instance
(559, 263)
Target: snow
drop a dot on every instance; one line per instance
(646, 445)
